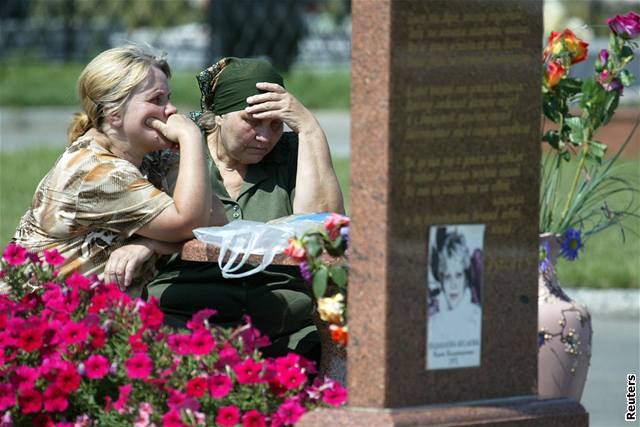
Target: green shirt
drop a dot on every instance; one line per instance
(269, 186)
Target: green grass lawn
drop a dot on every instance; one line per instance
(606, 261)
(36, 84)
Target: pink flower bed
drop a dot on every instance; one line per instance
(79, 352)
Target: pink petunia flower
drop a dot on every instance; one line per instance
(137, 343)
(196, 387)
(290, 411)
(68, 379)
(151, 315)
(292, 378)
(248, 372)
(14, 254)
(53, 257)
(289, 361)
(139, 366)
(120, 405)
(98, 337)
(253, 418)
(336, 395)
(180, 344)
(220, 385)
(7, 396)
(144, 415)
(228, 416)
(78, 281)
(228, 356)
(96, 366)
(74, 333)
(31, 338)
(30, 401)
(202, 342)
(172, 419)
(44, 420)
(55, 399)
(200, 319)
(25, 377)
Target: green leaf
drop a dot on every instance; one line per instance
(626, 54)
(552, 137)
(614, 44)
(626, 78)
(551, 107)
(597, 150)
(336, 247)
(610, 106)
(592, 94)
(314, 248)
(570, 86)
(320, 281)
(338, 275)
(577, 130)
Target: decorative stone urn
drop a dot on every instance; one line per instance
(564, 333)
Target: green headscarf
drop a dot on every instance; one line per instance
(236, 82)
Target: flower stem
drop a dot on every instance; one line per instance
(576, 177)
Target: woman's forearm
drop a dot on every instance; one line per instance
(317, 187)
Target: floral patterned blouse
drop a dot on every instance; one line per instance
(87, 206)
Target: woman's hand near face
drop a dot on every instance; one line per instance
(317, 187)
(192, 194)
(178, 129)
(278, 104)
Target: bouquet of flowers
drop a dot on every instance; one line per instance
(583, 210)
(79, 352)
(328, 280)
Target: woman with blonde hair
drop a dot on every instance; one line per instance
(95, 199)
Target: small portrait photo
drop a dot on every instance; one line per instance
(454, 295)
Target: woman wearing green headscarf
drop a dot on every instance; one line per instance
(260, 173)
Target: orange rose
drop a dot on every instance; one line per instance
(566, 41)
(553, 74)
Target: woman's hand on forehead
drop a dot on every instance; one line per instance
(278, 104)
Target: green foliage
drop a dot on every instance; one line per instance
(595, 180)
(51, 84)
(20, 173)
(320, 279)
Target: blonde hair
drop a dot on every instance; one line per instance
(107, 82)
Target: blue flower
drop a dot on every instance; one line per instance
(305, 271)
(344, 232)
(570, 244)
(543, 258)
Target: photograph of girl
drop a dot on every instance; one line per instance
(454, 297)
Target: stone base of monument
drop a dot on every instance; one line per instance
(497, 412)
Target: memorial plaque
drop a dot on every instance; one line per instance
(446, 107)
